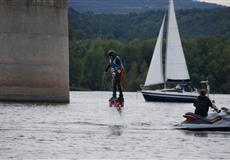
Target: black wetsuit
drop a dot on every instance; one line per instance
(202, 104)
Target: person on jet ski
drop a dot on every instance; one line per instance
(117, 69)
(202, 104)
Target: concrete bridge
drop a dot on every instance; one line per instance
(34, 56)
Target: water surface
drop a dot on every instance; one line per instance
(88, 129)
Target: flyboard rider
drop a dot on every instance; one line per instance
(117, 70)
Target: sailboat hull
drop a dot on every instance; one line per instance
(168, 97)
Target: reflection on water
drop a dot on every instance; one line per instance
(210, 134)
(87, 128)
(195, 133)
(116, 130)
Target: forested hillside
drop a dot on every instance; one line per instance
(207, 58)
(127, 6)
(205, 36)
(192, 23)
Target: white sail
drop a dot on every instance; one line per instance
(176, 68)
(155, 72)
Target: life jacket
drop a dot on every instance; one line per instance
(114, 66)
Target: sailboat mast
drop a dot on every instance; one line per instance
(167, 29)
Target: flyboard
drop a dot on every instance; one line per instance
(117, 104)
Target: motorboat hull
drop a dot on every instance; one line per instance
(168, 97)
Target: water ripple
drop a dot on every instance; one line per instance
(88, 129)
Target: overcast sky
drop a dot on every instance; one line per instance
(222, 2)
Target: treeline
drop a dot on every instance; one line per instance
(126, 27)
(127, 6)
(207, 58)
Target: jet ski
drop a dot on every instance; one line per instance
(219, 120)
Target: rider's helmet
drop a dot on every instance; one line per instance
(111, 53)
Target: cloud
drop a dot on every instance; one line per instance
(221, 2)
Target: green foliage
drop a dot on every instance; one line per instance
(126, 27)
(127, 6)
(207, 58)
(91, 36)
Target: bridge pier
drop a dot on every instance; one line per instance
(34, 54)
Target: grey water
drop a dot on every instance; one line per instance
(88, 129)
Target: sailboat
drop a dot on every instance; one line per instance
(175, 66)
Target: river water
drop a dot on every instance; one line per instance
(88, 129)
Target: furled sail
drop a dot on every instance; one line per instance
(155, 72)
(176, 68)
